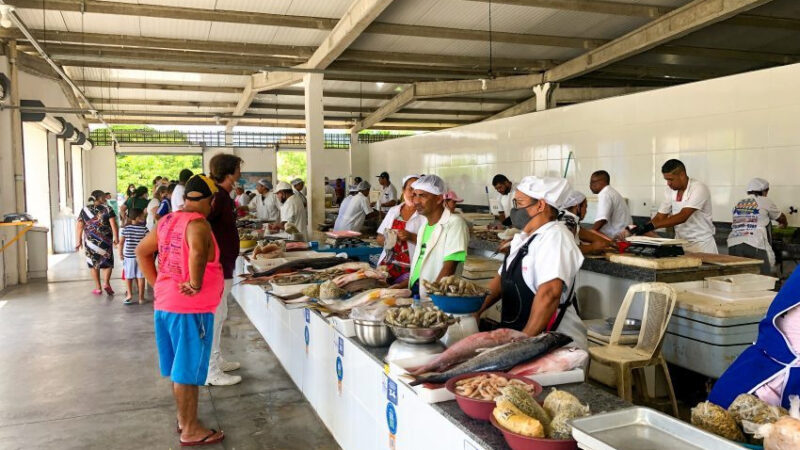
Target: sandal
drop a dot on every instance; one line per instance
(128, 301)
(205, 440)
(108, 290)
(97, 292)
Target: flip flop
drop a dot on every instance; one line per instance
(97, 292)
(178, 427)
(205, 440)
(108, 290)
(128, 301)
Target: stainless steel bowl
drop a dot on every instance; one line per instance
(373, 333)
(419, 335)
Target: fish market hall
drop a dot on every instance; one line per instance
(377, 224)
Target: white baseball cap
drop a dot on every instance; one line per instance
(430, 183)
(572, 199)
(408, 177)
(553, 191)
(296, 181)
(283, 186)
(757, 185)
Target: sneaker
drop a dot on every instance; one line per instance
(223, 379)
(230, 366)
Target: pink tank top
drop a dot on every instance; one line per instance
(173, 269)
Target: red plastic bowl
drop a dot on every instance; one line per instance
(482, 409)
(520, 442)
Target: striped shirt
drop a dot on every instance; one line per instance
(133, 234)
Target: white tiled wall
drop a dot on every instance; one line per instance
(726, 131)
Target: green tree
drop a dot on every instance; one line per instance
(142, 169)
(291, 165)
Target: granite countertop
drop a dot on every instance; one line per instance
(603, 266)
(481, 244)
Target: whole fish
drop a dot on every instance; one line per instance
(468, 348)
(363, 298)
(559, 360)
(500, 358)
(299, 264)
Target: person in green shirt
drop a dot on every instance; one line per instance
(138, 200)
(442, 243)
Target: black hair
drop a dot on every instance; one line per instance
(97, 194)
(758, 193)
(135, 213)
(141, 190)
(222, 165)
(673, 165)
(157, 179)
(358, 179)
(184, 176)
(499, 178)
(171, 187)
(602, 174)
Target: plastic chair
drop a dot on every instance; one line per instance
(659, 301)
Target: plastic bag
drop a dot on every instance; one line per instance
(747, 407)
(557, 400)
(784, 434)
(373, 312)
(714, 419)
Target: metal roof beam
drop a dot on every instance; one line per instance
(592, 6)
(569, 95)
(693, 16)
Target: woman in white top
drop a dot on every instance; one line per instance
(400, 226)
(153, 205)
(751, 234)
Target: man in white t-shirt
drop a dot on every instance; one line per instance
(177, 193)
(265, 204)
(506, 189)
(299, 188)
(388, 196)
(293, 212)
(687, 207)
(612, 214)
(356, 210)
(751, 225)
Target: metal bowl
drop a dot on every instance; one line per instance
(373, 333)
(419, 335)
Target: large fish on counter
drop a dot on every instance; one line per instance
(469, 347)
(364, 298)
(500, 358)
(299, 264)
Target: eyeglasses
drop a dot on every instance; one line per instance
(516, 205)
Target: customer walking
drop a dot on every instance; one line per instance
(225, 171)
(97, 230)
(132, 234)
(188, 286)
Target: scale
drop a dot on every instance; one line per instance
(403, 350)
(465, 326)
(655, 247)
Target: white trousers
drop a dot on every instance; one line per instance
(707, 246)
(215, 362)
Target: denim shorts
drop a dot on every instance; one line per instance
(184, 345)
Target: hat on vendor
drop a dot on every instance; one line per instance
(408, 177)
(363, 186)
(283, 186)
(451, 195)
(757, 185)
(296, 181)
(553, 191)
(574, 198)
(266, 183)
(431, 184)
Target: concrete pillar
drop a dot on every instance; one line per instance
(359, 157)
(315, 150)
(19, 162)
(544, 95)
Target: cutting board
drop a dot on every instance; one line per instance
(704, 302)
(677, 262)
(724, 260)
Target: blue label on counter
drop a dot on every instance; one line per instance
(341, 346)
(307, 335)
(308, 315)
(391, 418)
(391, 391)
(339, 368)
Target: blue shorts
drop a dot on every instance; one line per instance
(184, 345)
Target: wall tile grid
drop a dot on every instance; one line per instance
(725, 130)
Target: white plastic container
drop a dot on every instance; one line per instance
(743, 282)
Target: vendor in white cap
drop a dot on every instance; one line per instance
(573, 211)
(751, 226)
(443, 240)
(537, 278)
(398, 234)
(351, 192)
(356, 211)
(299, 188)
(388, 197)
(293, 212)
(265, 204)
(687, 207)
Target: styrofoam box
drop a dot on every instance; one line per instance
(743, 282)
(344, 326)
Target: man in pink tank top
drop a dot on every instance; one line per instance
(188, 287)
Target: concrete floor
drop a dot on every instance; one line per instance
(80, 371)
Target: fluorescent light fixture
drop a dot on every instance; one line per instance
(5, 16)
(379, 84)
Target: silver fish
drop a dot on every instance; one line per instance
(500, 358)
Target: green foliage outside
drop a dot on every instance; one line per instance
(142, 169)
(291, 165)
